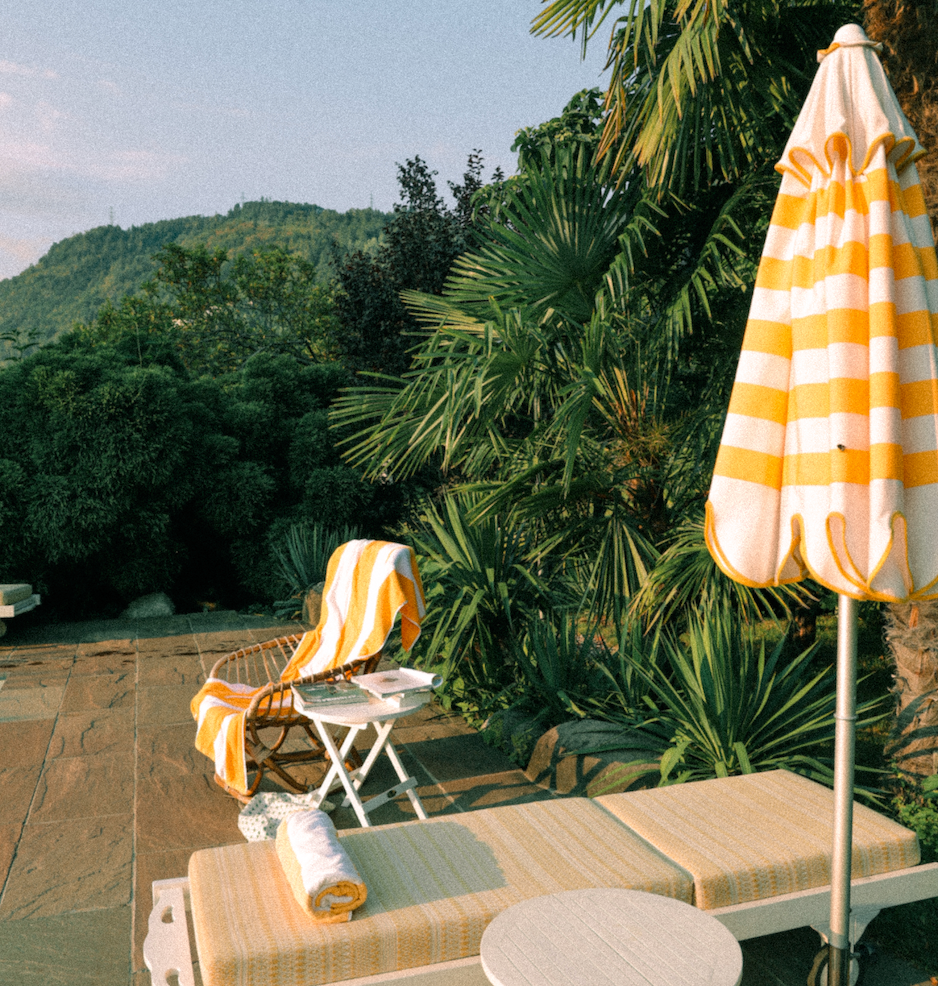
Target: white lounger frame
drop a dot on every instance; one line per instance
(167, 954)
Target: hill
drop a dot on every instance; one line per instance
(71, 282)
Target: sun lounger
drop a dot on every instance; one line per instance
(752, 851)
(15, 599)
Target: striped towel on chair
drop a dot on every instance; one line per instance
(367, 584)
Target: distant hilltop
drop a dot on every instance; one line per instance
(74, 279)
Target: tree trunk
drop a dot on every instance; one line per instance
(804, 616)
(907, 30)
(912, 634)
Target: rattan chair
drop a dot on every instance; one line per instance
(272, 709)
(245, 712)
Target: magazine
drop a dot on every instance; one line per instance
(328, 693)
(393, 685)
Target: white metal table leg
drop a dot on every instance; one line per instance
(352, 781)
(337, 770)
(404, 776)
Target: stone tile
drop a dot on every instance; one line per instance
(178, 804)
(23, 744)
(449, 758)
(105, 657)
(103, 631)
(18, 785)
(188, 814)
(95, 731)
(150, 867)
(98, 648)
(80, 866)
(45, 652)
(169, 751)
(166, 704)
(508, 788)
(99, 691)
(172, 669)
(159, 626)
(9, 836)
(262, 629)
(30, 677)
(81, 787)
(430, 722)
(167, 646)
(91, 948)
(220, 642)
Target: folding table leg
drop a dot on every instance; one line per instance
(404, 776)
(352, 782)
(337, 770)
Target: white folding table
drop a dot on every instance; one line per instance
(356, 717)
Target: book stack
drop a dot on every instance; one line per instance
(394, 686)
(328, 693)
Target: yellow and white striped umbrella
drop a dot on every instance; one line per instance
(828, 465)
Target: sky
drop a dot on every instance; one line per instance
(128, 112)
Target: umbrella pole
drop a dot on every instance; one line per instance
(844, 752)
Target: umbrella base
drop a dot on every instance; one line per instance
(818, 976)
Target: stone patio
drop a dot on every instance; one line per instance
(102, 792)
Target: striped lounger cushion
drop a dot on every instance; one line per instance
(433, 887)
(758, 835)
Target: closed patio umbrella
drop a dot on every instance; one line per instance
(828, 465)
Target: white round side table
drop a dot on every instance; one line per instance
(607, 937)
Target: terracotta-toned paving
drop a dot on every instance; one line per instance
(102, 792)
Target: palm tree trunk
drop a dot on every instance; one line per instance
(907, 30)
(912, 634)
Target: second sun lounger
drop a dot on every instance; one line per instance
(752, 850)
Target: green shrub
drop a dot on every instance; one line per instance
(727, 707)
(121, 474)
(482, 594)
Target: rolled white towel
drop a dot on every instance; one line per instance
(323, 878)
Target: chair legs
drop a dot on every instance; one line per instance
(266, 760)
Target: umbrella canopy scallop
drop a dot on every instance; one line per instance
(828, 465)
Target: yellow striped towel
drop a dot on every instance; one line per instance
(322, 877)
(367, 584)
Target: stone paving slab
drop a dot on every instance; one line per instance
(92, 731)
(23, 744)
(86, 864)
(87, 948)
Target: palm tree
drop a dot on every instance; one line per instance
(700, 90)
(704, 93)
(907, 32)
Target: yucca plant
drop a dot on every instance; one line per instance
(303, 556)
(685, 575)
(481, 595)
(560, 664)
(727, 707)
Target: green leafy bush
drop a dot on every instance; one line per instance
(481, 595)
(121, 474)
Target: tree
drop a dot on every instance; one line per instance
(533, 388)
(703, 95)
(907, 32)
(700, 91)
(224, 311)
(375, 330)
